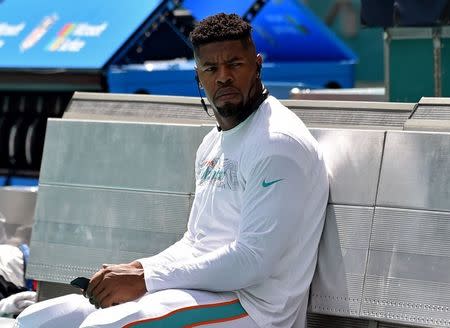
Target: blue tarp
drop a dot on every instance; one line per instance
(18, 181)
(80, 34)
(288, 31)
(284, 30)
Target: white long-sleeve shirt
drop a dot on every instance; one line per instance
(256, 220)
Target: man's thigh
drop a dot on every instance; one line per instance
(174, 308)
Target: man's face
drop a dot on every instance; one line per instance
(227, 72)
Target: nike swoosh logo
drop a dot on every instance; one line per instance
(267, 184)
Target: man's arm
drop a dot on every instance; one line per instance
(277, 191)
(120, 283)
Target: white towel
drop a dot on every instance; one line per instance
(16, 303)
(11, 265)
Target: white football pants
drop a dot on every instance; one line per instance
(168, 308)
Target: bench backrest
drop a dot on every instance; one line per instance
(110, 192)
(107, 186)
(173, 109)
(394, 258)
(354, 159)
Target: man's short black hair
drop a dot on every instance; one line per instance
(221, 27)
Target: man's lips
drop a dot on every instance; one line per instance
(226, 92)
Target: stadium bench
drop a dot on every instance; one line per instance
(117, 185)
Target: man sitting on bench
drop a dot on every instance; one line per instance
(249, 253)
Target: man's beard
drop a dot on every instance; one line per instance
(241, 110)
(230, 110)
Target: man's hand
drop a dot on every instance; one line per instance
(116, 283)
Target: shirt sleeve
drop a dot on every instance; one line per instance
(182, 250)
(277, 189)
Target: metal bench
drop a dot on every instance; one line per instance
(110, 192)
(113, 191)
(394, 258)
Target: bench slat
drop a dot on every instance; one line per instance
(354, 159)
(121, 155)
(416, 171)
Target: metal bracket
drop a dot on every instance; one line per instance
(437, 45)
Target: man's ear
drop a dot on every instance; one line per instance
(259, 60)
(258, 65)
(197, 79)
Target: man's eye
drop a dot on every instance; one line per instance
(210, 69)
(235, 64)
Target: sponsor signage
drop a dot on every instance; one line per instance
(11, 29)
(72, 36)
(82, 34)
(38, 32)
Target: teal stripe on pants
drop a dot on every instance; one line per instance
(190, 316)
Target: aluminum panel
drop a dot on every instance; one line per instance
(415, 171)
(125, 155)
(407, 272)
(390, 299)
(76, 229)
(411, 231)
(148, 211)
(61, 262)
(120, 239)
(330, 117)
(156, 110)
(432, 112)
(351, 113)
(343, 94)
(351, 105)
(353, 158)
(427, 125)
(137, 107)
(99, 96)
(435, 100)
(338, 282)
(421, 268)
(434, 108)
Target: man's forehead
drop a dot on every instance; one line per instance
(227, 50)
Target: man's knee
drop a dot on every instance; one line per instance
(115, 316)
(64, 311)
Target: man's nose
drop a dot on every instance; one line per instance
(223, 76)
